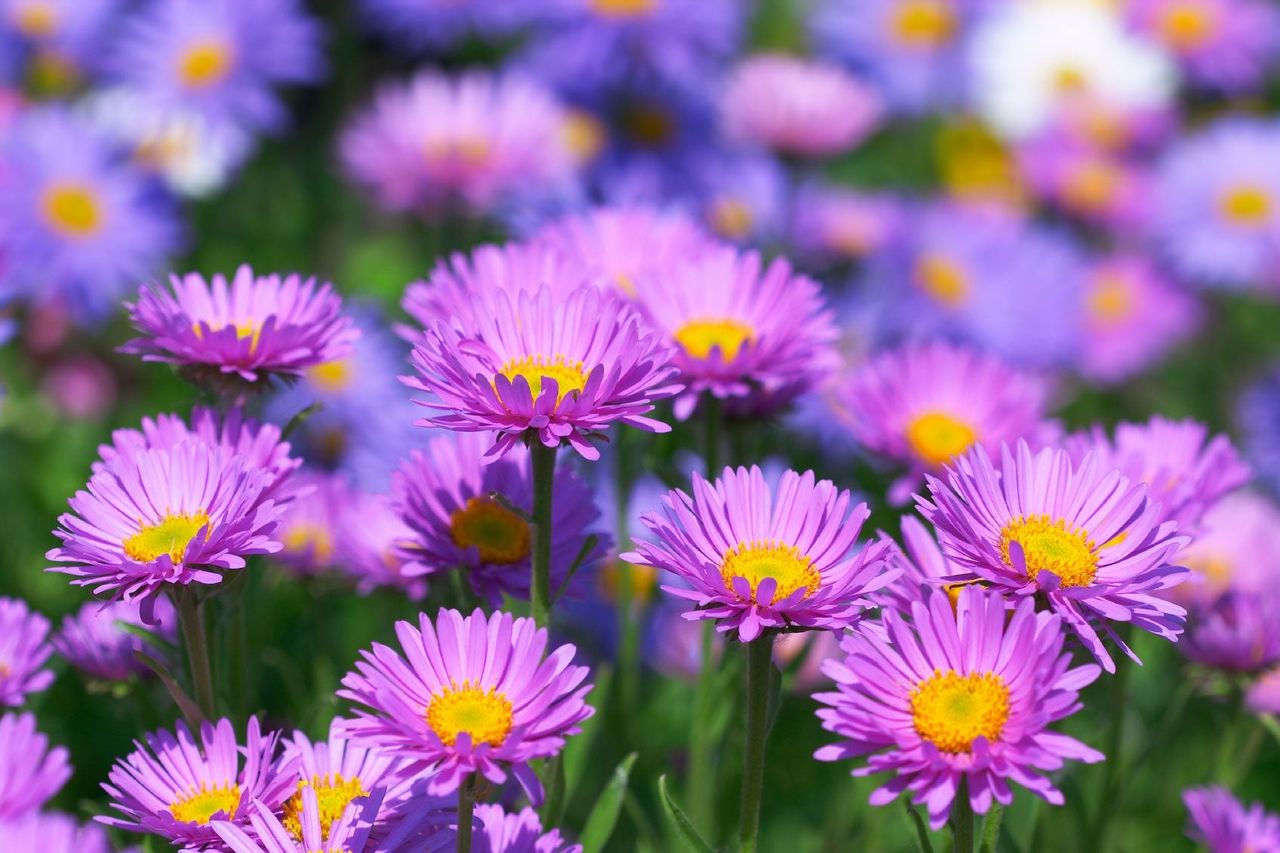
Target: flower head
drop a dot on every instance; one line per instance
(951, 696)
(308, 829)
(33, 772)
(308, 528)
(1224, 825)
(1238, 631)
(94, 642)
(24, 649)
(1226, 45)
(1236, 549)
(372, 537)
(501, 831)
(52, 832)
(835, 223)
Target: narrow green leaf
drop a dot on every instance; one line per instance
(991, 829)
(299, 419)
(922, 831)
(578, 749)
(149, 637)
(604, 814)
(679, 823)
(588, 545)
(190, 710)
(553, 782)
(1271, 725)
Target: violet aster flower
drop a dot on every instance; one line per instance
(1240, 631)
(1082, 537)
(1236, 549)
(446, 497)
(53, 832)
(756, 558)
(534, 365)
(1258, 414)
(952, 697)
(372, 538)
(923, 567)
(474, 695)
(836, 223)
(33, 772)
(741, 195)
(175, 786)
(249, 328)
(66, 36)
(94, 642)
(1086, 180)
(1224, 825)
(1226, 45)
(308, 526)
(797, 106)
(24, 649)
(304, 832)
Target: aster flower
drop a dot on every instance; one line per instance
(536, 365)
(24, 649)
(94, 642)
(923, 566)
(741, 195)
(500, 831)
(437, 24)
(1221, 823)
(53, 832)
(1239, 631)
(249, 328)
(371, 538)
(1086, 180)
(308, 526)
(1226, 45)
(757, 558)
(1258, 415)
(832, 222)
(446, 496)
(957, 697)
(175, 787)
(1082, 537)
(475, 695)
(63, 34)
(303, 832)
(33, 772)
(1236, 549)
(797, 106)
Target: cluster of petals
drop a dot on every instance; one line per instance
(1223, 824)
(24, 649)
(32, 771)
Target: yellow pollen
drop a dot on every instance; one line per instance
(937, 437)
(52, 74)
(623, 8)
(500, 535)
(332, 376)
(1110, 300)
(310, 539)
(1070, 80)
(204, 64)
(201, 806)
(1091, 186)
(37, 19)
(951, 710)
(700, 337)
(924, 23)
(333, 794)
(73, 210)
(1246, 205)
(569, 375)
(1052, 546)
(170, 536)
(1187, 25)
(483, 714)
(942, 280)
(769, 558)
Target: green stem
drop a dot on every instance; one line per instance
(962, 820)
(194, 637)
(466, 812)
(759, 664)
(543, 461)
(1112, 766)
(712, 426)
(629, 610)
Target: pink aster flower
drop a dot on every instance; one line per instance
(952, 697)
(1224, 825)
(472, 695)
(371, 538)
(175, 787)
(501, 831)
(304, 832)
(52, 832)
(308, 528)
(94, 641)
(32, 772)
(1238, 632)
(252, 327)
(836, 223)
(1083, 537)
(24, 649)
(757, 558)
(1236, 549)
(535, 364)
(923, 565)
(798, 106)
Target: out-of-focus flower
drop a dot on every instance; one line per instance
(953, 697)
(1237, 549)
(33, 772)
(831, 222)
(1263, 696)
(976, 166)
(1222, 823)
(1240, 631)
(475, 695)
(65, 36)
(1258, 414)
(756, 558)
(1083, 537)
(1085, 180)
(80, 387)
(501, 831)
(1221, 44)
(741, 196)
(439, 24)
(371, 539)
(24, 649)
(94, 641)
(309, 524)
(52, 832)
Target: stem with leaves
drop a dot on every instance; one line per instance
(543, 463)
(759, 665)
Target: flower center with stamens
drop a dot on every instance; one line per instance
(700, 337)
(201, 806)
(36, 19)
(499, 534)
(483, 714)
(205, 64)
(942, 280)
(951, 710)
(1246, 205)
(924, 23)
(1051, 545)
(73, 210)
(937, 437)
(623, 8)
(768, 558)
(169, 536)
(333, 794)
(1187, 25)
(1110, 300)
(332, 376)
(569, 375)
(246, 329)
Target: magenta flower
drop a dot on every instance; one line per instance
(24, 649)
(52, 832)
(308, 528)
(1083, 537)
(472, 695)
(536, 365)
(1222, 823)
(1236, 549)
(94, 642)
(1238, 632)
(305, 832)
(957, 696)
(252, 327)
(32, 772)
(757, 558)
(923, 565)
(501, 831)
(175, 787)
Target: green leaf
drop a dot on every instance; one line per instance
(684, 830)
(299, 419)
(553, 781)
(149, 637)
(1269, 723)
(922, 831)
(578, 750)
(604, 814)
(190, 710)
(588, 545)
(991, 829)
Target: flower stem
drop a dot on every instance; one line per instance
(759, 663)
(466, 812)
(712, 426)
(962, 820)
(543, 462)
(191, 622)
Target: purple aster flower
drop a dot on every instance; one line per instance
(64, 34)
(78, 222)
(437, 24)
(251, 327)
(1226, 45)
(372, 538)
(500, 831)
(221, 57)
(470, 515)
(534, 365)
(1221, 823)
(1240, 631)
(1258, 414)
(1236, 550)
(1084, 538)
(756, 558)
(839, 224)
(24, 649)
(33, 772)
(94, 641)
(175, 787)
(951, 697)
(1086, 180)
(741, 196)
(474, 696)
(309, 525)
(1217, 204)
(923, 566)
(305, 831)
(52, 832)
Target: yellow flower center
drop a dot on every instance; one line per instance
(769, 558)
(200, 806)
(483, 714)
(1110, 300)
(170, 536)
(1186, 25)
(975, 164)
(1246, 205)
(37, 19)
(700, 337)
(73, 210)
(924, 23)
(332, 376)
(951, 710)
(1091, 186)
(644, 579)
(943, 280)
(205, 63)
(499, 534)
(310, 539)
(467, 151)
(731, 218)
(584, 135)
(569, 375)
(246, 329)
(623, 8)
(1070, 80)
(937, 437)
(333, 794)
(1053, 546)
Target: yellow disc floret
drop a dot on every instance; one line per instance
(483, 714)
(937, 437)
(333, 794)
(171, 535)
(951, 710)
(73, 210)
(1051, 545)
(205, 64)
(500, 535)
(700, 337)
(768, 558)
(943, 280)
(568, 374)
(200, 806)
(923, 23)
(1246, 205)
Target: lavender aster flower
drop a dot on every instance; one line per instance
(1226, 45)
(94, 642)
(308, 526)
(1236, 550)
(1238, 632)
(831, 222)
(372, 538)
(52, 832)
(305, 832)
(501, 831)
(1221, 823)
(33, 772)
(953, 697)
(24, 649)
(65, 35)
